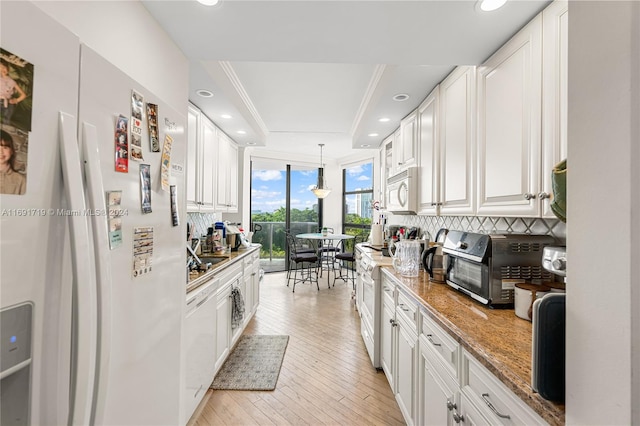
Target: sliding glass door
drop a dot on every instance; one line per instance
(281, 199)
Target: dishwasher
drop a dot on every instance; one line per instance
(199, 345)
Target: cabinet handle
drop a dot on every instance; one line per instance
(403, 307)
(451, 405)
(529, 196)
(485, 396)
(458, 417)
(544, 195)
(430, 337)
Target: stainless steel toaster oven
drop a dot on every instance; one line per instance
(488, 266)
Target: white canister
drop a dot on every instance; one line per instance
(524, 296)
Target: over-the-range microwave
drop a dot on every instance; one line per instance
(402, 192)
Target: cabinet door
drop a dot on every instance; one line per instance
(223, 325)
(428, 150)
(255, 274)
(386, 162)
(232, 178)
(193, 136)
(222, 173)
(387, 346)
(435, 397)
(457, 136)
(396, 161)
(408, 135)
(555, 20)
(406, 371)
(209, 147)
(509, 120)
(200, 352)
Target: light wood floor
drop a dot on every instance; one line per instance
(326, 377)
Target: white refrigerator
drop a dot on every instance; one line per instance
(98, 332)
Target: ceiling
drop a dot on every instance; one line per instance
(293, 74)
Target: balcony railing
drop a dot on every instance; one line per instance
(272, 237)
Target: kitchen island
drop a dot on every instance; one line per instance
(498, 339)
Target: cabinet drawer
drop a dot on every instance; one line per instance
(497, 403)
(388, 292)
(445, 346)
(407, 308)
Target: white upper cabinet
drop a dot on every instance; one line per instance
(457, 140)
(406, 142)
(192, 181)
(201, 161)
(555, 20)
(227, 182)
(509, 126)
(428, 154)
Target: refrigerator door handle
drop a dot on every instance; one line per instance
(84, 328)
(96, 196)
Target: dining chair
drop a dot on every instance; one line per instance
(300, 249)
(327, 250)
(306, 263)
(348, 255)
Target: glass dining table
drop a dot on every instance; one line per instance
(328, 241)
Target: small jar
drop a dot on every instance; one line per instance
(324, 232)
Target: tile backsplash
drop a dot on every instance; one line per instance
(484, 225)
(202, 221)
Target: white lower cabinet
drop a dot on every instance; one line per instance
(387, 331)
(223, 324)
(435, 381)
(494, 400)
(200, 344)
(406, 371)
(251, 284)
(437, 391)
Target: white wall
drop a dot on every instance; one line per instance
(126, 35)
(603, 202)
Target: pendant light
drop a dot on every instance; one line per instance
(321, 190)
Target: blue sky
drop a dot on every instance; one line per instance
(268, 187)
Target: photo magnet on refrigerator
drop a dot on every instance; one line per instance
(152, 121)
(122, 145)
(145, 188)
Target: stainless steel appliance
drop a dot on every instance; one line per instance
(487, 267)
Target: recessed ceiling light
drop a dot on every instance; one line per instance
(489, 5)
(208, 2)
(401, 97)
(251, 143)
(205, 93)
(226, 116)
(241, 132)
(365, 145)
(373, 135)
(384, 119)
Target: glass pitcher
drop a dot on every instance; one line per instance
(406, 258)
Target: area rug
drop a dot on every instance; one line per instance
(254, 364)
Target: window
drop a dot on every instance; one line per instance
(357, 189)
